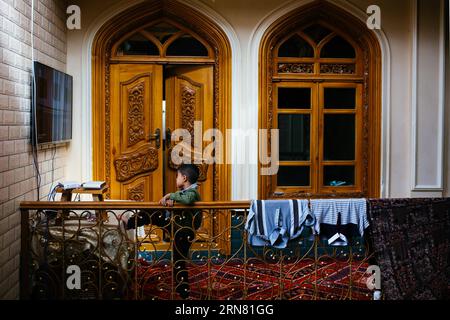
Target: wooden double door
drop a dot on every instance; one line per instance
(148, 102)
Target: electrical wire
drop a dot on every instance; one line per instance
(52, 192)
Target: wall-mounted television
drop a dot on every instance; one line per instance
(52, 105)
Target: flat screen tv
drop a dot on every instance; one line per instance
(52, 105)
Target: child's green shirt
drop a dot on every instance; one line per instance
(186, 197)
(187, 218)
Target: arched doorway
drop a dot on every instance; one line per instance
(320, 85)
(182, 24)
(157, 67)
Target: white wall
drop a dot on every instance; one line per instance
(447, 115)
(245, 21)
(428, 107)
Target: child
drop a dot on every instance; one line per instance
(184, 225)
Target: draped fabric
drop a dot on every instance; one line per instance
(411, 245)
(351, 211)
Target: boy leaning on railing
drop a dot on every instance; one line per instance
(185, 222)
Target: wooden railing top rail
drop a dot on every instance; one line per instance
(127, 205)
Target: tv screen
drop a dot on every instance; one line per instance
(53, 102)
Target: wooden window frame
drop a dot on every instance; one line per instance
(366, 77)
(357, 163)
(313, 134)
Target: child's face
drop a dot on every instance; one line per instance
(181, 180)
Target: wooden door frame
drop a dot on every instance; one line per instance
(371, 63)
(132, 19)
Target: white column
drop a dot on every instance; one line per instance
(428, 98)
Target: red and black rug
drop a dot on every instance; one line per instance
(305, 280)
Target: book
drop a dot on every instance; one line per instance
(69, 185)
(97, 185)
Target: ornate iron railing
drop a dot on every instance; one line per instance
(66, 254)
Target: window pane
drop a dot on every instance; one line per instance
(339, 137)
(339, 176)
(317, 32)
(296, 47)
(162, 31)
(187, 45)
(293, 176)
(338, 48)
(137, 44)
(294, 98)
(294, 137)
(339, 98)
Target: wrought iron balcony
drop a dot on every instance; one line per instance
(61, 238)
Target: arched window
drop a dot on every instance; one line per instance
(317, 93)
(162, 40)
(337, 47)
(296, 47)
(138, 44)
(315, 50)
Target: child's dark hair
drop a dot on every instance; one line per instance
(190, 171)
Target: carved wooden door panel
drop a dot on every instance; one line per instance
(136, 123)
(189, 98)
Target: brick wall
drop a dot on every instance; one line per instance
(17, 173)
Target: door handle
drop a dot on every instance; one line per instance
(157, 137)
(168, 137)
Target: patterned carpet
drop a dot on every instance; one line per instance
(411, 241)
(262, 281)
